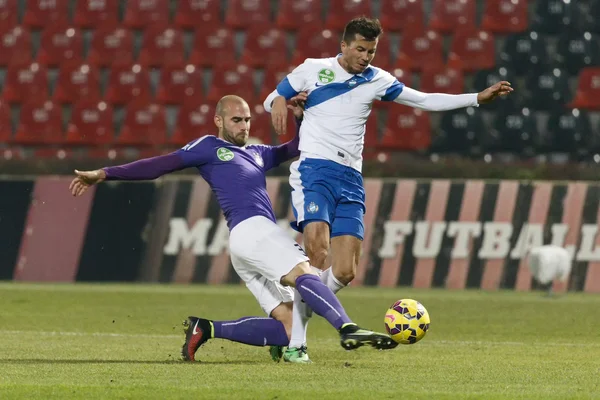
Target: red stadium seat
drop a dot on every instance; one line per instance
(110, 44)
(41, 13)
(472, 50)
(95, 13)
(242, 14)
(265, 47)
(40, 123)
(396, 15)
(371, 137)
(403, 75)
(91, 123)
(406, 129)
(342, 11)
(8, 14)
(25, 81)
(260, 126)
(272, 77)
(505, 16)
(587, 95)
(180, 83)
(77, 81)
(192, 14)
(128, 81)
(213, 48)
(145, 125)
(383, 57)
(420, 48)
(238, 80)
(316, 44)
(60, 42)
(294, 15)
(15, 45)
(442, 80)
(52, 152)
(450, 15)
(162, 44)
(5, 123)
(140, 14)
(193, 121)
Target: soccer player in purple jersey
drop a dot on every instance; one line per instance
(269, 261)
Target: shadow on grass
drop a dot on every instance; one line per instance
(80, 361)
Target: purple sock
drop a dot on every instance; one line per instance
(255, 331)
(322, 300)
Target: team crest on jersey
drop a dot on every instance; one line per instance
(258, 159)
(326, 75)
(225, 154)
(312, 207)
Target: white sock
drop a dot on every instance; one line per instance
(301, 313)
(331, 281)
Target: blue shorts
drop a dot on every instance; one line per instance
(324, 190)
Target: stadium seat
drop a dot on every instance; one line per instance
(110, 44)
(60, 42)
(406, 128)
(553, 16)
(316, 44)
(516, 130)
(341, 11)
(162, 44)
(294, 15)
(420, 48)
(548, 90)
(472, 50)
(8, 14)
(237, 80)
(505, 16)
(588, 13)
(569, 131)
(448, 16)
(271, 78)
(213, 48)
(127, 81)
(180, 83)
(441, 79)
(15, 45)
(265, 47)
(140, 14)
(145, 125)
(397, 15)
(41, 13)
(383, 57)
(91, 123)
(587, 95)
(40, 123)
(77, 81)
(92, 14)
(525, 52)
(488, 77)
(192, 14)
(370, 149)
(25, 81)
(261, 127)
(578, 50)
(5, 123)
(459, 132)
(242, 14)
(193, 121)
(405, 76)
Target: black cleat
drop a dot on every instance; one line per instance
(352, 337)
(197, 332)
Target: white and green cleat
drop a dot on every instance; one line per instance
(297, 355)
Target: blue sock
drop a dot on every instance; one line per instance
(255, 331)
(322, 300)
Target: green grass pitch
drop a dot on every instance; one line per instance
(123, 341)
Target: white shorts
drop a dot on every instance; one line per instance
(261, 253)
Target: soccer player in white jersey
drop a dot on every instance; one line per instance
(328, 197)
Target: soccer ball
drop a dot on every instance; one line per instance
(407, 321)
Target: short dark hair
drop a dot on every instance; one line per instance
(369, 28)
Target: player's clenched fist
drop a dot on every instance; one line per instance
(84, 180)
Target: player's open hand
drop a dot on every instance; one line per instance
(296, 104)
(84, 180)
(502, 88)
(279, 115)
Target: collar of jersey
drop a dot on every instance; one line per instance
(368, 73)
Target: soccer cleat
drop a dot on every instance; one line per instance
(297, 355)
(352, 337)
(276, 353)
(197, 332)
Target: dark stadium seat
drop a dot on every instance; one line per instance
(576, 50)
(569, 131)
(398, 15)
(91, 123)
(140, 14)
(525, 52)
(8, 14)
(60, 42)
(553, 16)
(92, 14)
(448, 16)
(588, 16)
(487, 77)
(341, 11)
(144, 125)
(505, 16)
(76, 81)
(180, 83)
(419, 48)
(25, 81)
(312, 43)
(127, 81)
(5, 123)
(293, 15)
(459, 132)
(265, 46)
(548, 90)
(15, 45)
(406, 128)
(193, 120)
(192, 14)
(40, 123)
(242, 14)
(472, 50)
(162, 44)
(516, 130)
(213, 48)
(587, 95)
(237, 80)
(442, 79)
(111, 44)
(41, 13)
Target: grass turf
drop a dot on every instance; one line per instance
(123, 341)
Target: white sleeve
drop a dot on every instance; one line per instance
(290, 86)
(435, 101)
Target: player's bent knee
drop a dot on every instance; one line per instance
(345, 276)
(301, 269)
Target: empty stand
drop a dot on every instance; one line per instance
(93, 14)
(505, 16)
(111, 44)
(265, 46)
(77, 81)
(450, 15)
(294, 15)
(193, 14)
(128, 81)
(341, 11)
(40, 123)
(242, 14)
(213, 48)
(180, 83)
(91, 124)
(145, 125)
(163, 44)
(398, 15)
(25, 81)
